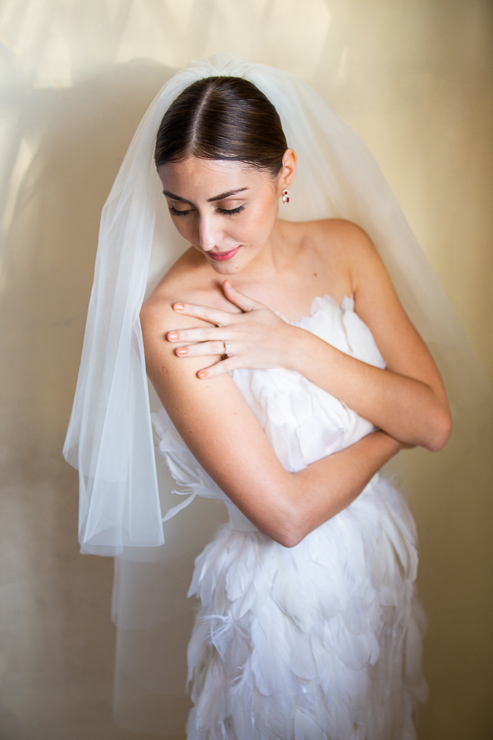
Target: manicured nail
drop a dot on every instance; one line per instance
(202, 374)
(178, 306)
(172, 336)
(182, 351)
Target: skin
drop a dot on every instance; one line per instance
(279, 266)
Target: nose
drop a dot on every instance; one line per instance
(209, 234)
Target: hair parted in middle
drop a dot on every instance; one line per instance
(226, 118)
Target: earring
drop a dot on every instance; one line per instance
(285, 196)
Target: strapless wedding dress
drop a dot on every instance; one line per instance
(321, 641)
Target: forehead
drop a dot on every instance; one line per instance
(207, 177)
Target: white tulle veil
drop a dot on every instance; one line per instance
(110, 439)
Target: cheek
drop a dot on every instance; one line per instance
(183, 226)
(262, 219)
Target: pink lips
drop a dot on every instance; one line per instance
(221, 256)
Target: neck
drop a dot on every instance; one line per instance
(272, 262)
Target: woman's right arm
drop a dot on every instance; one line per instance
(224, 435)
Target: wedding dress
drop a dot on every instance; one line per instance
(316, 641)
(321, 641)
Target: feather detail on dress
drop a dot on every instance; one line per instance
(321, 641)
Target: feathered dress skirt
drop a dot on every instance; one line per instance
(321, 641)
(316, 642)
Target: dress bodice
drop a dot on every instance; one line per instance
(302, 422)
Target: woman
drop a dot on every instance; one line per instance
(224, 164)
(308, 626)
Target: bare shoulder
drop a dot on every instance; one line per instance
(343, 248)
(338, 237)
(179, 278)
(375, 299)
(186, 281)
(351, 247)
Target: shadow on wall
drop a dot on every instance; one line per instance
(64, 150)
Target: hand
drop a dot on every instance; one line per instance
(256, 338)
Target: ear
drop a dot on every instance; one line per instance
(288, 171)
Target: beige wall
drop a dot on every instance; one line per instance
(414, 80)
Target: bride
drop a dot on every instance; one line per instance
(289, 374)
(241, 298)
(222, 184)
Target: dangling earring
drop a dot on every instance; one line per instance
(285, 196)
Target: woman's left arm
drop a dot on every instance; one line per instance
(407, 399)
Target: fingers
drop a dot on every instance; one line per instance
(184, 336)
(215, 315)
(203, 348)
(225, 366)
(240, 299)
(212, 315)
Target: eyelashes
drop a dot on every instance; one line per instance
(231, 211)
(224, 211)
(174, 212)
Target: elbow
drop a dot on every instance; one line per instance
(441, 431)
(295, 519)
(289, 531)
(289, 538)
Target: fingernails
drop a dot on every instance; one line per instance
(202, 374)
(172, 336)
(227, 284)
(182, 351)
(178, 306)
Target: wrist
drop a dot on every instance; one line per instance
(391, 444)
(299, 349)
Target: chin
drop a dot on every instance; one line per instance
(225, 268)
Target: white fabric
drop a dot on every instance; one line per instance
(321, 641)
(110, 437)
(302, 422)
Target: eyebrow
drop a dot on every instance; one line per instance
(221, 196)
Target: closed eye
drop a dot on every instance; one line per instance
(225, 211)
(230, 211)
(175, 212)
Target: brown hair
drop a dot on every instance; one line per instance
(222, 118)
